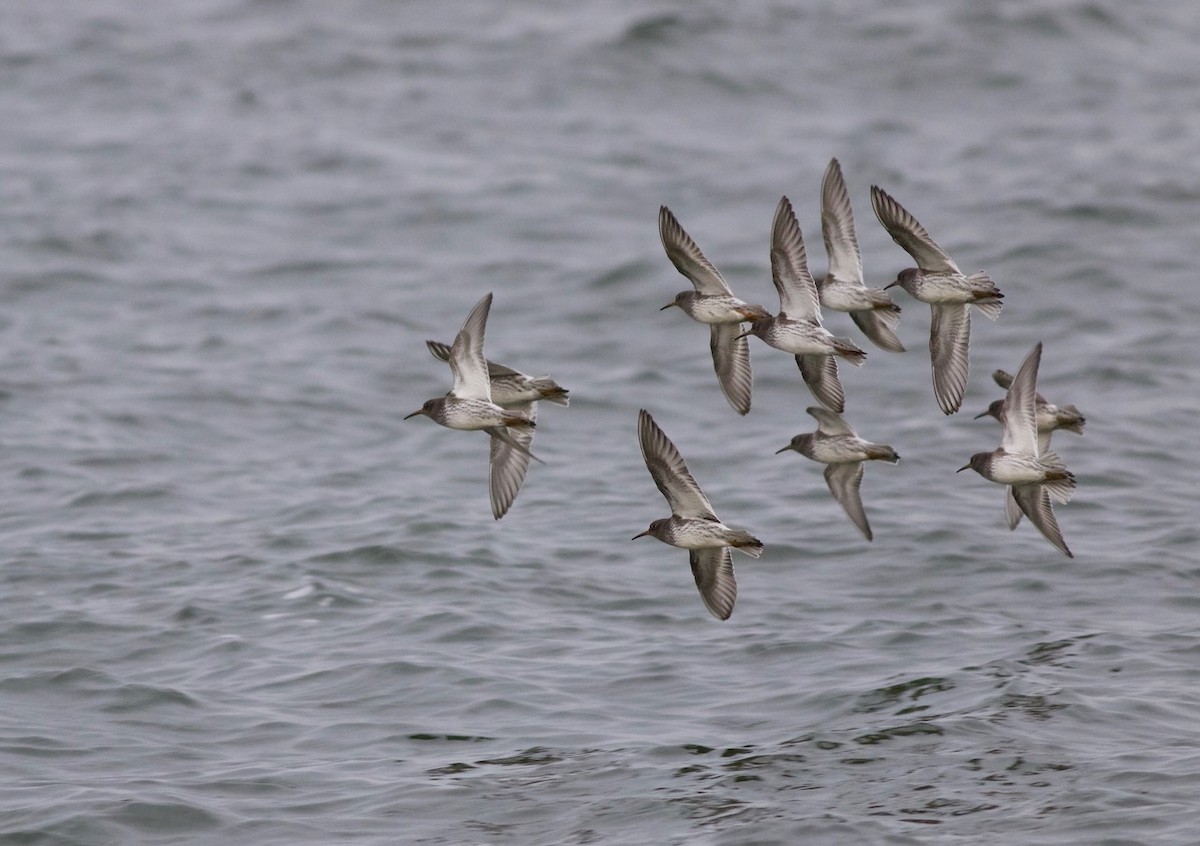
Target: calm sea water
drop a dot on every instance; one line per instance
(241, 601)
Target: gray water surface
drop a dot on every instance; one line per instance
(242, 601)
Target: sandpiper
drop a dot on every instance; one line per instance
(469, 407)
(518, 392)
(842, 287)
(937, 280)
(797, 328)
(1049, 417)
(712, 302)
(693, 525)
(837, 445)
(1032, 477)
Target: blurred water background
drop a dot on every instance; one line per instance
(242, 602)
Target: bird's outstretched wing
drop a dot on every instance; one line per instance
(731, 359)
(837, 227)
(1034, 502)
(845, 483)
(949, 350)
(466, 355)
(1019, 411)
(713, 570)
(909, 233)
(789, 267)
(670, 473)
(687, 258)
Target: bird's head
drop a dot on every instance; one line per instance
(655, 528)
(427, 409)
(993, 410)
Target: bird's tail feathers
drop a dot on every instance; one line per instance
(882, 452)
(850, 351)
(1075, 420)
(551, 391)
(990, 307)
(520, 422)
(748, 544)
(987, 295)
(1060, 482)
(881, 301)
(983, 286)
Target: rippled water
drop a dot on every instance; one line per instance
(242, 602)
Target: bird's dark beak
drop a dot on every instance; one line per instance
(891, 284)
(415, 413)
(667, 306)
(744, 334)
(642, 535)
(785, 449)
(984, 414)
(966, 466)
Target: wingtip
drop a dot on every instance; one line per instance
(784, 214)
(949, 405)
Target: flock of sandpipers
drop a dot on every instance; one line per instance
(503, 401)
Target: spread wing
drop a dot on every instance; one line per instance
(731, 359)
(1012, 511)
(509, 464)
(837, 227)
(686, 256)
(1034, 502)
(949, 343)
(495, 370)
(789, 267)
(466, 355)
(713, 570)
(441, 352)
(829, 422)
(1004, 379)
(1019, 412)
(879, 325)
(844, 482)
(670, 473)
(438, 350)
(820, 373)
(909, 233)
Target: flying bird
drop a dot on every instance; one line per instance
(843, 452)
(693, 525)
(937, 280)
(1050, 418)
(712, 302)
(516, 391)
(1032, 477)
(797, 328)
(469, 407)
(842, 287)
